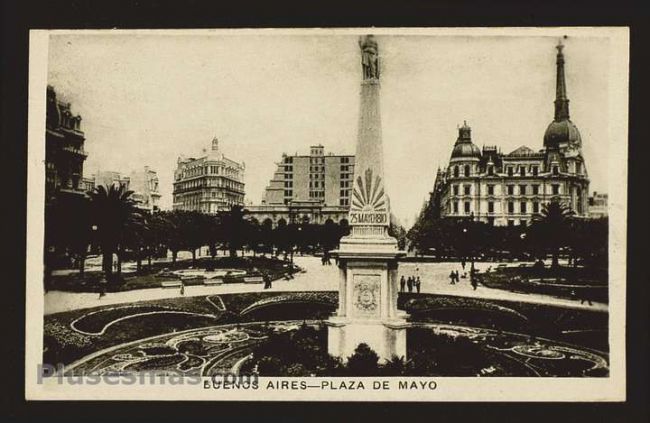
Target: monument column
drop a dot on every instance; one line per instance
(368, 256)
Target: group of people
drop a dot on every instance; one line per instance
(326, 259)
(411, 283)
(455, 277)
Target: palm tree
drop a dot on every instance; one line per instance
(112, 208)
(551, 227)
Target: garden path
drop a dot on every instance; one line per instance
(434, 277)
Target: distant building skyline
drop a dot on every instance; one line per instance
(161, 96)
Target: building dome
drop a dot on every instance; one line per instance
(464, 148)
(559, 132)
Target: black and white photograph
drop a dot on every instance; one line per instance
(327, 214)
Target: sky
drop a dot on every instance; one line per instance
(147, 99)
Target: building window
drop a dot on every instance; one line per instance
(455, 207)
(535, 170)
(466, 170)
(455, 189)
(535, 207)
(523, 222)
(490, 189)
(490, 206)
(456, 172)
(522, 170)
(556, 189)
(578, 168)
(510, 171)
(523, 207)
(511, 207)
(467, 189)
(511, 222)
(556, 170)
(511, 189)
(522, 189)
(287, 193)
(490, 221)
(535, 189)
(491, 170)
(466, 207)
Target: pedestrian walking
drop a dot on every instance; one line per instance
(474, 283)
(585, 297)
(182, 288)
(462, 263)
(409, 283)
(417, 284)
(452, 278)
(402, 284)
(456, 276)
(267, 281)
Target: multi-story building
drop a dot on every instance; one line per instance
(208, 184)
(64, 149)
(509, 189)
(598, 205)
(143, 183)
(308, 188)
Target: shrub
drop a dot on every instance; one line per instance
(363, 362)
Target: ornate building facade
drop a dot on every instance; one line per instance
(208, 184)
(308, 188)
(509, 189)
(143, 183)
(64, 149)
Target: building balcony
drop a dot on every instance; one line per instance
(76, 151)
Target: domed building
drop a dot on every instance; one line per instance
(509, 189)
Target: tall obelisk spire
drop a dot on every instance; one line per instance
(561, 100)
(368, 257)
(369, 209)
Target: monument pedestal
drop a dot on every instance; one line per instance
(368, 290)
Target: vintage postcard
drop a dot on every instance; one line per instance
(327, 214)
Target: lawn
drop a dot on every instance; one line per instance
(152, 277)
(564, 282)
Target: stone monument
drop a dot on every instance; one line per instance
(367, 258)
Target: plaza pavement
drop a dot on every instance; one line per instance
(434, 277)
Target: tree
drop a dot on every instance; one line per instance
(171, 224)
(112, 207)
(233, 227)
(214, 234)
(397, 231)
(551, 228)
(266, 236)
(281, 237)
(135, 236)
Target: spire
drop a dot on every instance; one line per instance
(464, 133)
(561, 100)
